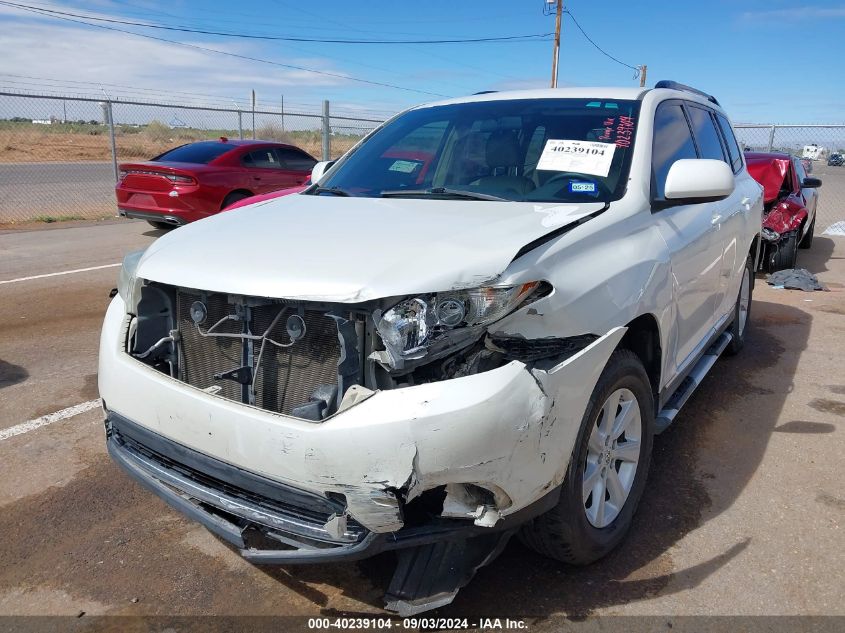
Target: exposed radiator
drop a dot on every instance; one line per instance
(286, 377)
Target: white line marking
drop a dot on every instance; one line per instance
(64, 272)
(44, 420)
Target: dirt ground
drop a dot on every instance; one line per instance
(28, 143)
(743, 513)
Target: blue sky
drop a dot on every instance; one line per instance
(766, 60)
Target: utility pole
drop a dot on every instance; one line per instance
(556, 53)
(643, 73)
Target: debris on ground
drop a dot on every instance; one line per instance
(837, 228)
(795, 279)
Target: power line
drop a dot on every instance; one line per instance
(281, 38)
(430, 53)
(636, 69)
(227, 53)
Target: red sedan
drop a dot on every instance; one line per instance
(200, 179)
(790, 199)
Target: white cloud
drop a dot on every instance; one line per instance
(40, 48)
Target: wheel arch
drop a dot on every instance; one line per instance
(643, 339)
(755, 252)
(245, 192)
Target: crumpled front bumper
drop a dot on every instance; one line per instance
(510, 430)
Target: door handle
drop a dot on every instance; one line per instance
(716, 219)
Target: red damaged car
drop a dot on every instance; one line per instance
(196, 180)
(790, 199)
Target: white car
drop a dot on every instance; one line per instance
(472, 324)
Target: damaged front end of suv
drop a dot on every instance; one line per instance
(337, 430)
(312, 390)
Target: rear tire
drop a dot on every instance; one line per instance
(742, 311)
(572, 531)
(807, 240)
(234, 197)
(787, 253)
(163, 226)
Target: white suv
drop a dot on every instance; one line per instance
(472, 324)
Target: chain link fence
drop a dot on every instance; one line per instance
(819, 146)
(59, 156)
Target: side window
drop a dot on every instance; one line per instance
(262, 159)
(709, 145)
(730, 141)
(294, 160)
(672, 142)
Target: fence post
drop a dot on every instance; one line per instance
(327, 132)
(110, 117)
(240, 125)
(771, 139)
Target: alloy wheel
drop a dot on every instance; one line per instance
(613, 453)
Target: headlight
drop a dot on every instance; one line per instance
(769, 235)
(421, 326)
(127, 283)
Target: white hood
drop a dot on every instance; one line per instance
(330, 248)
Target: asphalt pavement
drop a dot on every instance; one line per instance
(743, 512)
(28, 190)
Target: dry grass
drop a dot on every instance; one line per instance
(27, 143)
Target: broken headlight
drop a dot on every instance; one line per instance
(428, 325)
(128, 286)
(769, 235)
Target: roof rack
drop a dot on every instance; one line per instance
(484, 92)
(674, 85)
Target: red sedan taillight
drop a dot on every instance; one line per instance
(179, 179)
(176, 179)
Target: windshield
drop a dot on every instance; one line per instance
(539, 150)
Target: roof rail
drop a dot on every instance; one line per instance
(674, 85)
(484, 92)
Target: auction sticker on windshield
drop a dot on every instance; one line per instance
(580, 157)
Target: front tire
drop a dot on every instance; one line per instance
(607, 473)
(742, 310)
(787, 253)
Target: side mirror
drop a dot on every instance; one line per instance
(319, 169)
(811, 183)
(694, 180)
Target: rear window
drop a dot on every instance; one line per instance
(202, 152)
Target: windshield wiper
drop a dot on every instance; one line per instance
(442, 192)
(337, 191)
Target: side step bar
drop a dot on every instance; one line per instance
(667, 414)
